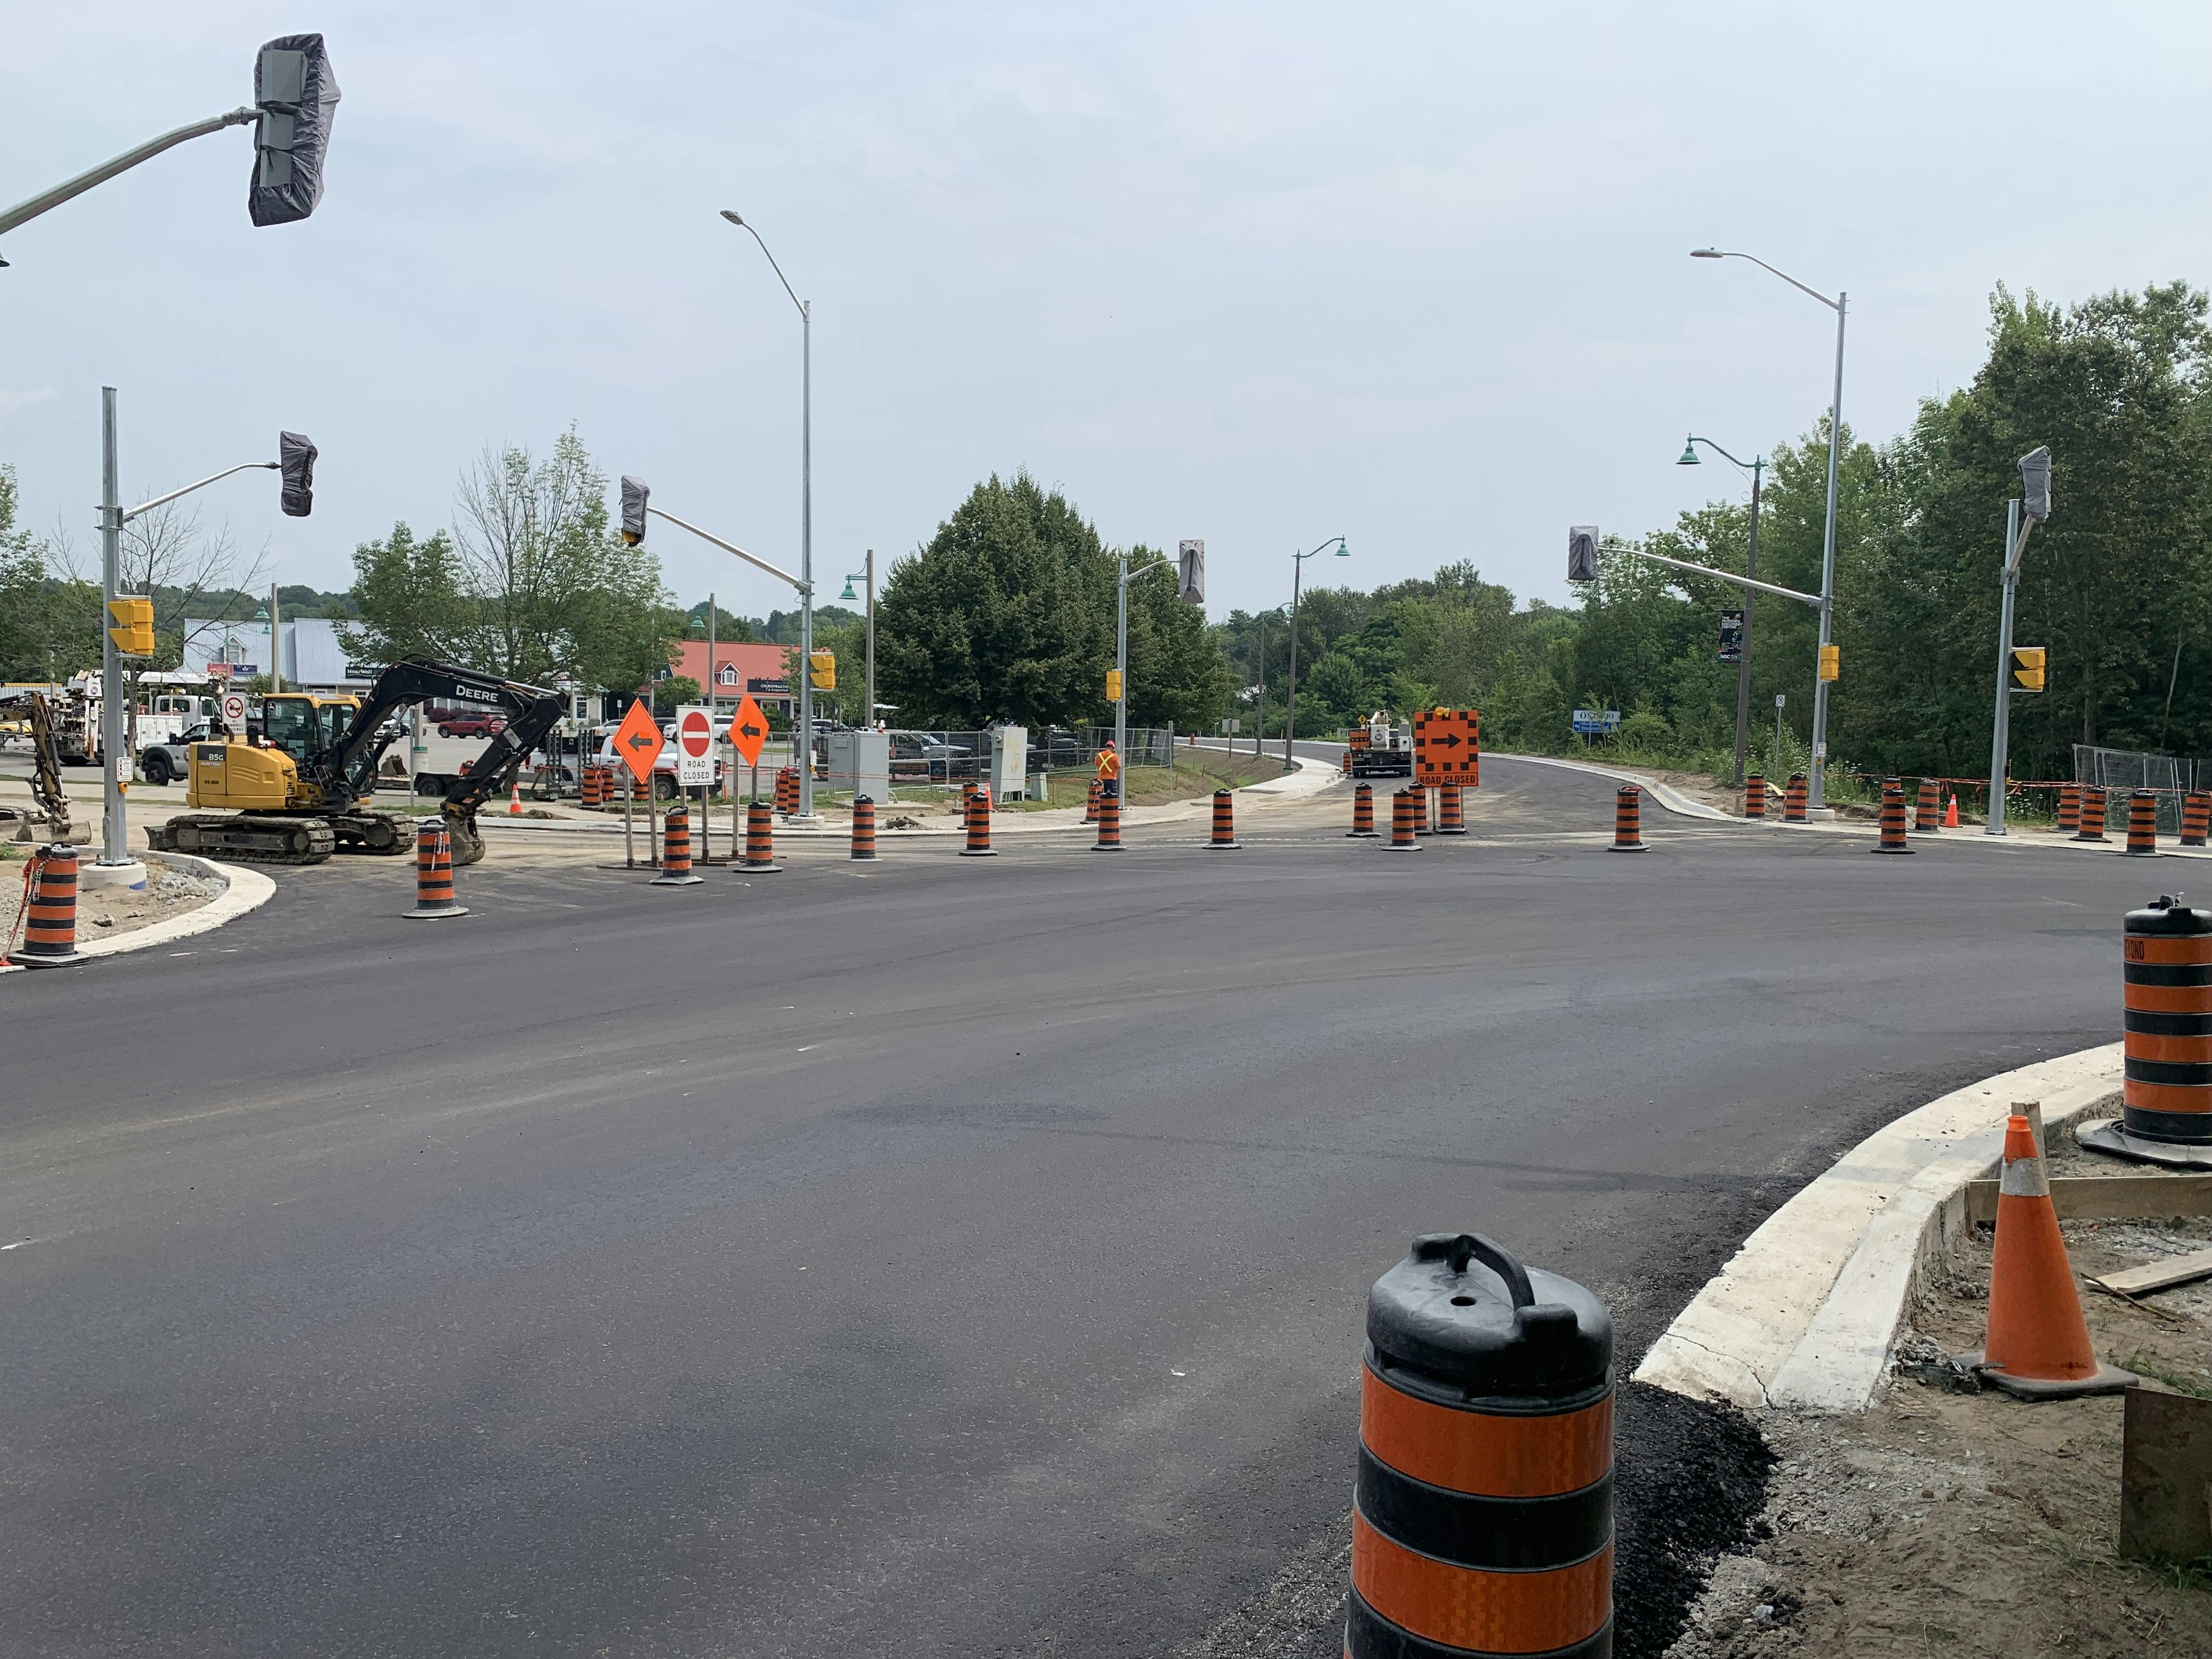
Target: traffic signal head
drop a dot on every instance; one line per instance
(298, 97)
(634, 493)
(132, 619)
(821, 671)
(1582, 553)
(1190, 573)
(295, 462)
(1113, 686)
(1831, 662)
(2035, 483)
(2029, 664)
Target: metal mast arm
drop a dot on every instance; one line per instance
(23, 212)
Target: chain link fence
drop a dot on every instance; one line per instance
(921, 756)
(2123, 770)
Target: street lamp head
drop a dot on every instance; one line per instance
(1689, 453)
(1343, 548)
(849, 594)
(1705, 253)
(732, 216)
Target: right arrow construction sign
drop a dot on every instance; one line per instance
(1448, 748)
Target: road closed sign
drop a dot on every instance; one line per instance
(1448, 748)
(695, 746)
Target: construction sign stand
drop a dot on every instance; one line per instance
(747, 731)
(637, 746)
(1447, 749)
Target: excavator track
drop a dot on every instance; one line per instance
(252, 838)
(380, 835)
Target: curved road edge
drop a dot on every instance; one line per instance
(1802, 1316)
(244, 891)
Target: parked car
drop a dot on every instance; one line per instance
(471, 726)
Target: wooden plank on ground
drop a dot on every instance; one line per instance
(2106, 1198)
(2158, 1275)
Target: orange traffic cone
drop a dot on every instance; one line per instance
(514, 799)
(1951, 814)
(2039, 1343)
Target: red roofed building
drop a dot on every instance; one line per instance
(738, 669)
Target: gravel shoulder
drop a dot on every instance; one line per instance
(1944, 1521)
(170, 891)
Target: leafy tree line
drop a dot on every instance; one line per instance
(2116, 586)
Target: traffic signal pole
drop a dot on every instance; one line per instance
(2015, 542)
(115, 827)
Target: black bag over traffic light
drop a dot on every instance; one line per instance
(298, 97)
(634, 494)
(295, 464)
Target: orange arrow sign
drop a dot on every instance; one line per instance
(748, 731)
(638, 742)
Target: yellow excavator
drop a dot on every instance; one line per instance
(52, 805)
(305, 790)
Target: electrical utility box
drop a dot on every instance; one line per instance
(1010, 760)
(861, 761)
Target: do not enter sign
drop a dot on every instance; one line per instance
(695, 746)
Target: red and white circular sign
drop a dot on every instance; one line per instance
(696, 733)
(234, 709)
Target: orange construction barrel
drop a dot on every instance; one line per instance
(2166, 1092)
(1482, 1520)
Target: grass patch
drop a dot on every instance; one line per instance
(2180, 1382)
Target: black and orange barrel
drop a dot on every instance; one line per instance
(433, 873)
(1927, 809)
(1109, 822)
(1451, 810)
(1628, 818)
(1091, 804)
(588, 785)
(2166, 1091)
(1362, 812)
(1891, 839)
(2093, 814)
(2069, 808)
(1793, 798)
(1482, 1520)
(1401, 823)
(1420, 793)
(1224, 820)
(786, 790)
(979, 823)
(676, 851)
(759, 838)
(864, 826)
(2196, 817)
(1754, 796)
(50, 909)
(2142, 824)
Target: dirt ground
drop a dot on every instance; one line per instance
(101, 913)
(1955, 1522)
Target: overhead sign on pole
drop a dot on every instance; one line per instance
(638, 742)
(748, 731)
(1448, 748)
(695, 746)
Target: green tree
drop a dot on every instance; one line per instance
(410, 598)
(999, 615)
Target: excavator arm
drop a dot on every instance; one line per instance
(45, 760)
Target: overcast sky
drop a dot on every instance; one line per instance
(1260, 274)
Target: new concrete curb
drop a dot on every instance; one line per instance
(244, 890)
(1804, 1316)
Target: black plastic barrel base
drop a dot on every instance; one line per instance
(1368, 1635)
(2112, 1138)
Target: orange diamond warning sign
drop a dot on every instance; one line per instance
(638, 742)
(1448, 748)
(748, 731)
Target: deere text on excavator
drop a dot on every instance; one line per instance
(304, 792)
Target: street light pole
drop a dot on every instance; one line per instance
(806, 733)
(115, 828)
(1816, 790)
(1290, 689)
(1751, 568)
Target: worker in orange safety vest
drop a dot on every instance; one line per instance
(1109, 770)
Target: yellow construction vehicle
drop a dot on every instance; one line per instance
(303, 792)
(52, 805)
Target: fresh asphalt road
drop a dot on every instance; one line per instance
(945, 1257)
